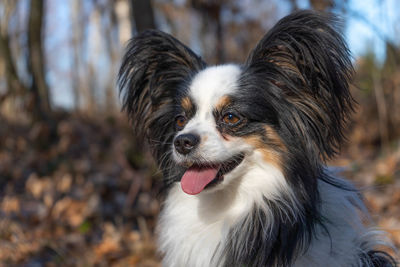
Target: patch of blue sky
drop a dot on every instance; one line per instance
(58, 52)
(369, 23)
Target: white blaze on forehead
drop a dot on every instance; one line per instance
(211, 84)
(206, 90)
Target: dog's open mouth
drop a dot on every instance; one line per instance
(198, 177)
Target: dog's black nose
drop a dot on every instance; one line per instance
(185, 143)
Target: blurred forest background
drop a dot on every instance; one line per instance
(77, 189)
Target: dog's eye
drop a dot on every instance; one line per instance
(180, 121)
(230, 118)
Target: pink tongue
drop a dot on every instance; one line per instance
(194, 180)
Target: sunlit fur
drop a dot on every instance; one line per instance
(280, 206)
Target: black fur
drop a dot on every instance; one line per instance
(255, 242)
(287, 83)
(298, 76)
(154, 74)
(377, 259)
(307, 66)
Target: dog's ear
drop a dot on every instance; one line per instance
(154, 68)
(307, 61)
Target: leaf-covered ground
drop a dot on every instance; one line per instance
(79, 193)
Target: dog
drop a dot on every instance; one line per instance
(242, 149)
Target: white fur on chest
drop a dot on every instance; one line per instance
(192, 229)
(187, 238)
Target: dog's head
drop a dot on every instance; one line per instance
(286, 106)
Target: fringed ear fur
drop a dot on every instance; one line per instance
(307, 59)
(154, 68)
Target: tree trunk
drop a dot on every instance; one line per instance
(142, 15)
(322, 5)
(211, 14)
(36, 60)
(77, 32)
(110, 101)
(15, 86)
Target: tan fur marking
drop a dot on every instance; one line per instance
(186, 103)
(223, 102)
(273, 136)
(270, 155)
(203, 140)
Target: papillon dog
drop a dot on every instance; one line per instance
(242, 149)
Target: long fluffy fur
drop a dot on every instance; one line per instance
(155, 69)
(306, 58)
(293, 92)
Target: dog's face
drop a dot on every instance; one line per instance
(218, 132)
(206, 114)
(286, 106)
(205, 141)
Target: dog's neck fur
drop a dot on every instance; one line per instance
(203, 230)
